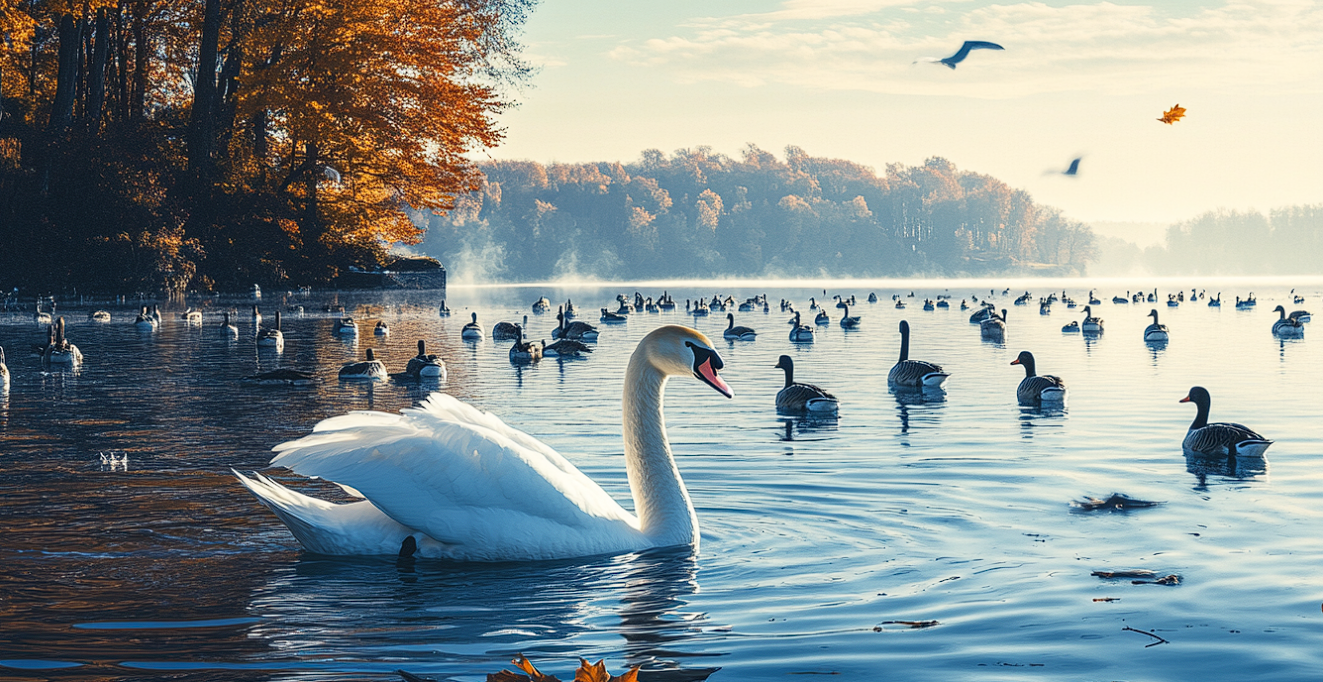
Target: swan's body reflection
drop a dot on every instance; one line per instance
(434, 617)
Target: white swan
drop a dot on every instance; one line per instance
(468, 487)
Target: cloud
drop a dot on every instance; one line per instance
(1098, 47)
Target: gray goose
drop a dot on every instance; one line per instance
(566, 348)
(506, 331)
(1155, 331)
(371, 369)
(424, 365)
(848, 322)
(576, 330)
(798, 397)
(471, 330)
(909, 373)
(800, 333)
(271, 336)
(1219, 438)
(737, 333)
(1287, 326)
(1035, 389)
(994, 326)
(525, 351)
(1091, 324)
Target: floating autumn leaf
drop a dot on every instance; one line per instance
(1173, 114)
(596, 672)
(525, 665)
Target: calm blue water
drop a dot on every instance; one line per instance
(955, 511)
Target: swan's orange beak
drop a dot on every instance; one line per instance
(1186, 399)
(711, 378)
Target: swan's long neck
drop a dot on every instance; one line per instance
(660, 498)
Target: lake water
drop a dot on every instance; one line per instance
(817, 550)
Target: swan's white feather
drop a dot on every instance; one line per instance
(465, 478)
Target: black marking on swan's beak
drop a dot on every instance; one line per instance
(706, 364)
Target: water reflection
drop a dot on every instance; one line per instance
(906, 399)
(1040, 416)
(1237, 468)
(1156, 349)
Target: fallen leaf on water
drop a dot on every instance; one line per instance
(596, 672)
(525, 665)
(1173, 114)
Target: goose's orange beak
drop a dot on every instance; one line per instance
(1015, 361)
(1186, 399)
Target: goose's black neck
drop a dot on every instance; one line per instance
(730, 320)
(904, 341)
(1028, 361)
(790, 373)
(1201, 417)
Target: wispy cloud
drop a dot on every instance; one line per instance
(871, 44)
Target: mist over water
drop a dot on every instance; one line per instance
(822, 547)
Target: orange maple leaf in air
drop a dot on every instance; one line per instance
(1173, 114)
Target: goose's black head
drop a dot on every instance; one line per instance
(784, 362)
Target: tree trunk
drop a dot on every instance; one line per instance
(96, 94)
(65, 78)
(122, 64)
(141, 54)
(202, 125)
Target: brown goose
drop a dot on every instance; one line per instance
(525, 351)
(797, 397)
(425, 365)
(1034, 389)
(507, 331)
(1219, 438)
(909, 373)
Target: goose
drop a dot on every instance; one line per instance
(747, 306)
(1287, 326)
(848, 322)
(650, 307)
(909, 373)
(928, 305)
(144, 320)
(381, 329)
(800, 333)
(1153, 297)
(840, 301)
(964, 305)
(1219, 438)
(666, 303)
(541, 305)
(370, 369)
(40, 316)
(569, 311)
(345, 326)
(1045, 307)
(1300, 315)
(271, 337)
(1118, 299)
(443, 310)
(60, 351)
(98, 316)
(822, 319)
(468, 487)
(987, 310)
(506, 331)
(737, 333)
(227, 329)
(424, 365)
(798, 397)
(813, 303)
(1155, 331)
(471, 331)
(872, 297)
(4, 372)
(576, 330)
(1093, 325)
(1034, 389)
(1215, 302)
(524, 351)
(993, 327)
(1093, 300)
(609, 317)
(943, 304)
(1171, 300)
(257, 318)
(1073, 327)
(191, 316)
(900, 304)
(282, 377)
(566, 348)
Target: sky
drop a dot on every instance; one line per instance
(837, 78)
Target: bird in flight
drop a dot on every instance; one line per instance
(963, 52)
(1074, 168)
(1173, 114)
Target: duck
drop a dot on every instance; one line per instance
(566, 348)
(144, 320)
(1219, 438)
(444, 310)
(541, 305)
(60, 351)
(1155, 331)
(848, 322)
(1091, 324)
(98, 316)
(576, 330)
(381, 329)
(4, 372)
(525, 351)
(506, 331)
(609, 317)
(271, 337)
(1035, 389)
(737, 333)
(993, 327)
(371, 369)
(800, 333)
(424, 365)
(471, 331)
(468, 487)
(800, 397)
(1284, 326)
(909, 373)
(228, 329)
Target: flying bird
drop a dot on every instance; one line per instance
(963, 52)
(1173, 114)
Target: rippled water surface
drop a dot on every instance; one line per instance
(821, 551)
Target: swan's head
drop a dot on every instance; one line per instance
(681, 351)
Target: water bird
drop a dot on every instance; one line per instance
(872, 297)
(60, 351)
(191, 316)
(41, 316)
(505, 331)
(740, 333)
(425, 365)
(1072, 327)
(1119, 300)
(960, 54)
(800, 333)
(471, 330)
(144, 320)
(801, 397)
(228, 329)
(908, 373)
(468, 487)
(1219, 438)
(370, 369)
(1091, 324)
(282, 377)
(1215, 302)
(609, 317)
(257, 318)
(993, 326)
(271, 337)
(1093, 300)
(444, 310)
(1288, 327)
(98, 316)
(4, 372)
(381, 329)
(566, 348)
(848, 321)
(1155, 331)
(576, 330)
(1301, 315)
(524, 351)
(541, 305)
(1037, 389)
(822, 318)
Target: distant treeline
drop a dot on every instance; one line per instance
(697, 214)
(1286, 241)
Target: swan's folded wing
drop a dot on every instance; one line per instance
(455, 472)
